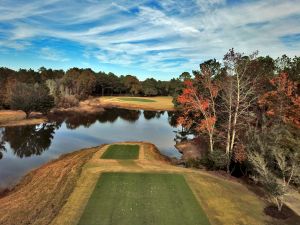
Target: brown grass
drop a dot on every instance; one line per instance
(57, 193)
(18, 118)
(41, 194)
(162, 103)
(224, 201)
(87, 106)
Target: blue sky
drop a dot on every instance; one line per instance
(146, 38)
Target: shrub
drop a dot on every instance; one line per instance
(216, 160)
(68, 102)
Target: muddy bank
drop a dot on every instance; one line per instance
(192, 149)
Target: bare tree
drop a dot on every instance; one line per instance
(238, 95)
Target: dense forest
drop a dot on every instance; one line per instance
(46, 87)
(247, 111)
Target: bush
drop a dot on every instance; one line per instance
(216, 160)
(68, 102)
(193, 163)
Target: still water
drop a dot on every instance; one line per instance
(27, 147)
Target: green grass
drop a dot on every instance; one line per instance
(121, 152)
(136, 99)
(142, 199)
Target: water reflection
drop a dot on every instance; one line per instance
(148, 115)
(2, 143)
(27, 147)
(35, 139)
(29, 140)
(75, 120)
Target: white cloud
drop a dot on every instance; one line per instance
(53, 55)
(194, 30)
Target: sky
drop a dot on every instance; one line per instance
(146, 38)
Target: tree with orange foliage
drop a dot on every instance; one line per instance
(282, 103)
(200, 105)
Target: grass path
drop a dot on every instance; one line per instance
(224, 201)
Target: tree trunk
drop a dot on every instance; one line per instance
(211, 144)
(27, 115)
(279, 203)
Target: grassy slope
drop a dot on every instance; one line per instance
(49, 192)
(40, 195)
(224, 201)
(121, 152)
(147, 103)
(142, 198)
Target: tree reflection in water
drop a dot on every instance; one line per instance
(2, 143)
(35, 139)
(74, 120)
(29, 140)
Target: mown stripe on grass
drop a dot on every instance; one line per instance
(121, 152)
(142, 198)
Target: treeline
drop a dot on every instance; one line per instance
(247, 108)
(30, 90)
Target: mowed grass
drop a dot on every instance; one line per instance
(142, 198)
(121, 152)
(136, 99)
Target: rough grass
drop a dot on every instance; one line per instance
(40, 195)
(121, 152)
(136, 99)
(142, 198)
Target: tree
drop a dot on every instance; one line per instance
(132, 84)
(29, 98)
(282, 103)
(185, 76)
(149, 87)
(200, 104)
(274, 154)
(238, 95)
(85, 83)
(69, 81)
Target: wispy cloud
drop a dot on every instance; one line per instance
(169, 36)
(53, 55)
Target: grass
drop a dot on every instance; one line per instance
(227, 202)
(121, 152)
(142, 198)
(160, 103)
(136, 99)
(17, 118)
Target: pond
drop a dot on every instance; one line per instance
(27, 147)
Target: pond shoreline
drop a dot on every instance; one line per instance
(93, 105)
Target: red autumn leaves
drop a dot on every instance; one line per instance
(194, 102)
(283, 102)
